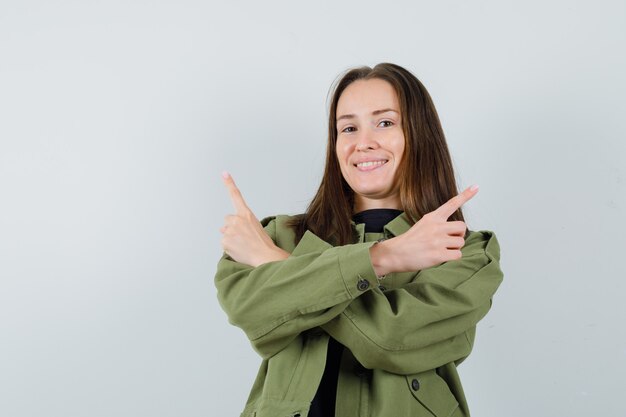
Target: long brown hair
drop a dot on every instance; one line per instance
(425, 173)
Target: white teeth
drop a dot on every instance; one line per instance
(370, 164)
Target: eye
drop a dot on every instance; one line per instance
(389, 123)
(347, 129)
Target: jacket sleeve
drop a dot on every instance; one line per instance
(430, 320)
(276, 301)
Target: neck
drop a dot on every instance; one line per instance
(362, 204)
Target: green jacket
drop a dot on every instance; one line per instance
(404, 335)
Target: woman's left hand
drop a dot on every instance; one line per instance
(244, 239)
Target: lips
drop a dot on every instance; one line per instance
(370, 165)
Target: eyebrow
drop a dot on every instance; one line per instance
(375, 112)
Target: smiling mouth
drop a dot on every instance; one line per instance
(369, 165)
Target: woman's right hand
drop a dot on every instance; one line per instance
(429, 242)
(244, 239)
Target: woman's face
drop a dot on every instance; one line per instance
(370, 143)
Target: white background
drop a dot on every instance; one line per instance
(117, 117)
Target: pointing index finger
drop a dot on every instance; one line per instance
(235, 195)
(449, 207)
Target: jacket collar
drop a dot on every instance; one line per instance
(396, 227)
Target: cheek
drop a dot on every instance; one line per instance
(342, 153)
(339, 146)
(399, 148)
(343, 166)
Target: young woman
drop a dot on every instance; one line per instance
(365, 304)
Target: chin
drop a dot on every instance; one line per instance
(373, 194)
(371, 191)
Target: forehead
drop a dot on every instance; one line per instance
(365, 96)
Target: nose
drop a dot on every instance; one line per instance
(366, 141)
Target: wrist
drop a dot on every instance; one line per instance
(271, 255)
(381, 258)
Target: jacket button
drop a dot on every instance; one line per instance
(363, 284)
(415, 384)
(382, 288)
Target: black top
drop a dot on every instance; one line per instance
(375, 219)
(323, 404)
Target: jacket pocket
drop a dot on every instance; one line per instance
(432, 392)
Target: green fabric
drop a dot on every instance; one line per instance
(419, 327)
